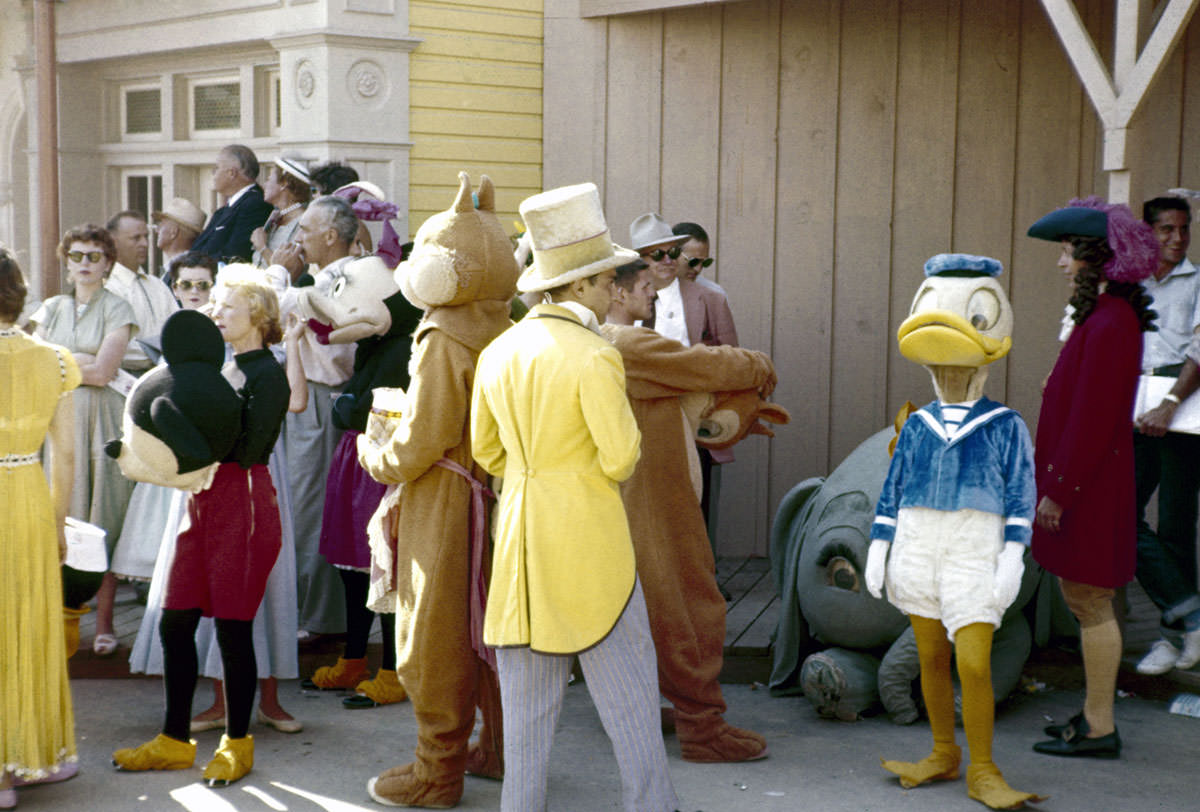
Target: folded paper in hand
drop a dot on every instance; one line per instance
(1152, 389)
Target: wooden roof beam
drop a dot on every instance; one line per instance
(1117, 96)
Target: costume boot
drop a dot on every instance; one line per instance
(160, 753)
(708, 738)
(385, 689)
(933, 649)
(71, 627)
(343, 675)
(232, 761)
(400, 786)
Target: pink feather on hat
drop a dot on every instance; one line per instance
(1134, 246)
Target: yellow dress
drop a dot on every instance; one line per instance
(37, 724)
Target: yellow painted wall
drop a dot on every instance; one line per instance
(476, 102)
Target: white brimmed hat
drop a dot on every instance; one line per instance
(294, 169)
(570, 238)
(650, 230)
(182, 211)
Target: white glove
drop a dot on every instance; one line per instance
(876, 562)
(1010, 566)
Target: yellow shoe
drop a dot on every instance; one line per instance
(160, 753)
(986, 785)
(344, 674)
(71, 627)
(940, 765)
(232, 761)
(385, 689)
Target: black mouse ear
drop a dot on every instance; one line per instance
(191, 336)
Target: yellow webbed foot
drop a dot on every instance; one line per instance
(940, 765)
(986, 785)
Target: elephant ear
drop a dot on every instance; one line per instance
(792, 637)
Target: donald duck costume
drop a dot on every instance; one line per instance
(956, 515)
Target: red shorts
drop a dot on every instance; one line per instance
(227, 545)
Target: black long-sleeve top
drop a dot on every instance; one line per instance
(378, 361)
(265, 393)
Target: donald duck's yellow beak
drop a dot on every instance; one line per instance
(944, 338)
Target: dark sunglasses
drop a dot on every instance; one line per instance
(697, 261)
(91, 256)
(657, 254)
(188, 284)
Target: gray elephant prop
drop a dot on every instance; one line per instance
(845, 650)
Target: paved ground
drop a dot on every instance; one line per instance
(814, 764)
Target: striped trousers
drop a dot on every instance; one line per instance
(622, 678)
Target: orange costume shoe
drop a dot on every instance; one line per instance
(342, 675)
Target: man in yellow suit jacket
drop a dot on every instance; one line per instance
(549, 414)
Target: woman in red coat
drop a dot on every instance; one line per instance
(1085, 529)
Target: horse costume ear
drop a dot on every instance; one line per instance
(464, 201)
(487, 194)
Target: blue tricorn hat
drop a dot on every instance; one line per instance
(1072, 221)
(962, 265)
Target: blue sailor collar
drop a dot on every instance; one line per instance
(983, 412)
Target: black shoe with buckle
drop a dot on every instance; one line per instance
(1074, 742)
(1056, 731)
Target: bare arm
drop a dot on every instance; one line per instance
(62, 465)
(295, 367)
(98, 370)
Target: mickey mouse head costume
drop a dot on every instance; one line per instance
(181, 419)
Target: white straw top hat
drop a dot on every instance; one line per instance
(649, 230)
(570, 238)
(184, 212)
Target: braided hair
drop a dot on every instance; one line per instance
(1095, 253)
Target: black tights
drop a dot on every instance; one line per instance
(177, 629)
(359, 620)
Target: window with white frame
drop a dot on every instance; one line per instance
(141, 111)
(142, 191)
(215, 106)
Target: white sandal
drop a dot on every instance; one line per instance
(104, 645)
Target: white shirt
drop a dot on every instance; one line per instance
(152, 302)
(584, 313)
(327, 364)
(236, 195)
(669, 318)
(1177, 302)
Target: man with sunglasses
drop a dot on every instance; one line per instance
(695, 257)
(687, 312)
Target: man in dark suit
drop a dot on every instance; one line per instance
(227, 235)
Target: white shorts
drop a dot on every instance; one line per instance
(942, 565)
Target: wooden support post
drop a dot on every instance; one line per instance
(46, 63)
(1117, 96)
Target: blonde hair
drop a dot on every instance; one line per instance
(253, 285)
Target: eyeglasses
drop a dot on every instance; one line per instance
(657, 254)
(91, 256)
(694, 262)
(188, 284)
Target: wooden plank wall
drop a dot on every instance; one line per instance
(476, 104)
(830, 148)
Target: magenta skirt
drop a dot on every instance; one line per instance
(351, 497)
